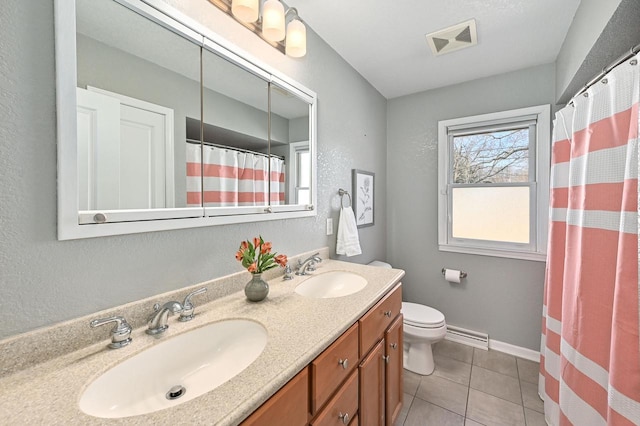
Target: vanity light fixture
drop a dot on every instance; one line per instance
(296, 38)
(246, 10)
(268, 19)
(273, 20)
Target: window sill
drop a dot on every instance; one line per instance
(520, 255)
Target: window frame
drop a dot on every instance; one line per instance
(295, 149)
(539, 168)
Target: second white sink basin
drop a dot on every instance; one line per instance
(331, 284)
(176, 370)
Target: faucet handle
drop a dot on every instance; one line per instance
(121, 332)
(288, 273)
(187, 307)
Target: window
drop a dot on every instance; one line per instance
(493, 183)
(301, 181)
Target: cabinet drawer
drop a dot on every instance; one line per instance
(343, 407)
(289, 406)
(377, 320)
(333, 366)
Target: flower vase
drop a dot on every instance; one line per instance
(256, 289)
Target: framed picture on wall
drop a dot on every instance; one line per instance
(363, 197)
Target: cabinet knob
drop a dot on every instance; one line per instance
(344, 363)
(387, 314)
(393, 345)
(386, 359)
(344, 417)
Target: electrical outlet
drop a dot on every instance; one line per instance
(329, 226)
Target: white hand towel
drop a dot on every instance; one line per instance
(348, 241)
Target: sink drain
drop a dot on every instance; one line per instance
(176, 392)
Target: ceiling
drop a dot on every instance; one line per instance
(385, 40)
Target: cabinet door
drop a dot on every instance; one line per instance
(372, 387)
(289, 406)
(393, 374)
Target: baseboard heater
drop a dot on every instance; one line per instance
(468, 337)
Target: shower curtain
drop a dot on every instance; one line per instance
(233, 178)
(277, 181)
(590, 351)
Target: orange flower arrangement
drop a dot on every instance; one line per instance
(256, 256)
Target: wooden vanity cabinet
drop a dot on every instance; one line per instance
(381, 367)
(357, 380)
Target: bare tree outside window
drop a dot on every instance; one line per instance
(496, 157)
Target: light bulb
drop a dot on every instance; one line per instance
(296, 45)
(245, 10)
(273, 20)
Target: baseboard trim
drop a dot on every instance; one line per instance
(482, 341)
(514, 350)
(467, 337)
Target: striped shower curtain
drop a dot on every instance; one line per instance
(277, 181)
(232, 178)
(590, 351)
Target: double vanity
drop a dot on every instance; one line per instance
(323, 333)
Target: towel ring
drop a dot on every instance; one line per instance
(342, 193)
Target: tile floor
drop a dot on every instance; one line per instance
(472, 387)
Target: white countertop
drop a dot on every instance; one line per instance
(299, 329)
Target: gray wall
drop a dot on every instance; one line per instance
(601, 31)
(502, 297)
(44, 281)
(590, 19)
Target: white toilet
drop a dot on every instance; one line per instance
(423, 326)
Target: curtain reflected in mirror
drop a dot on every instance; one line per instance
(235, 151)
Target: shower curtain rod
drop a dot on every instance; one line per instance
(633, 51)
(197, 142)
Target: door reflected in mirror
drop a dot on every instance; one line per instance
(137, 82)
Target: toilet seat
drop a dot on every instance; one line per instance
(422, 316)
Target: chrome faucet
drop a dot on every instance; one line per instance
(188, 307)
(121, 332)
(158, 322)
(308, 265)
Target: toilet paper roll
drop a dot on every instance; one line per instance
(452, 275)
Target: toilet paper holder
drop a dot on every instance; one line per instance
(462, 273)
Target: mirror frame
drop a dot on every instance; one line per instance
(137, 221)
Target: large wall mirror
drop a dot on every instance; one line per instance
(161, 128)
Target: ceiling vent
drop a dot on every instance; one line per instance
(453, 38)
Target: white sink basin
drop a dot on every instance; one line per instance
(331, 284)
(199, 361)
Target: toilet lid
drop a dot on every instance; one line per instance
(422, 316)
